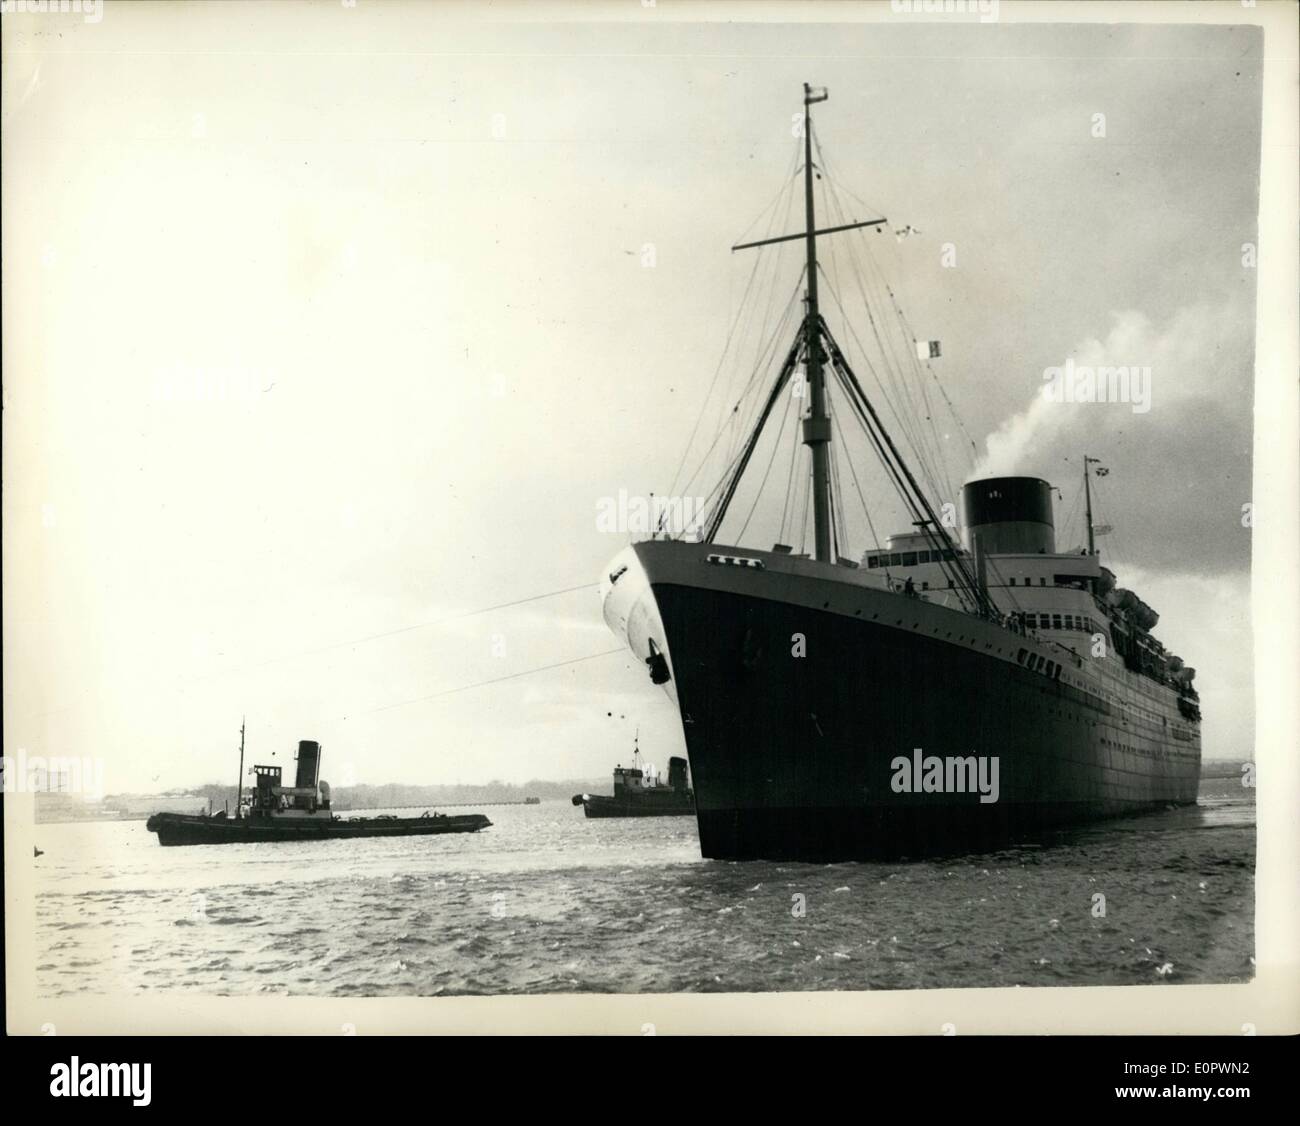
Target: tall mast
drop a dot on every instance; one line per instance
(1087, 492)
(817, 426)
(239, 790)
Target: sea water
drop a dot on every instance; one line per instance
(548, 902)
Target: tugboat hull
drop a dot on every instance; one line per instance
(595, 805)
(181, 829)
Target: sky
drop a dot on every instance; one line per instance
(327, 327)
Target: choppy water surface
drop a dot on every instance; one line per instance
(547, 901)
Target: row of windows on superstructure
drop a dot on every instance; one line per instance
(915, 558)
(908, 558)
(1060, 621)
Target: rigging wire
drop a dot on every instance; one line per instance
(831, 489)
(769, 354)
(824, 165)
(791, 174)
(789, 485)
(493, 680)
(839, 525)
(733, 480)
(749, 387)
(1074, 505)
(888, 352)
(367, 638)
(900, 416)
(938, 383)
(758, 494)
(878, 448)
(410, 629)
(964, 581)
(717, 371)
(866, 511)
(837, 187)
(761, 310)
(903, 418)
(803, 531)
(903, 386)
(1118, 553)
(776, 255)
(741, 308)
(725, 481)
(915, 438)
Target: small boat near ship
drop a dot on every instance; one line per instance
(300, 812)
(639, 792)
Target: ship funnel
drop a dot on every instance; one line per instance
(677, 773)
(308, 764)
(1008, 516)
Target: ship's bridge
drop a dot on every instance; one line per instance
(911, 549)
(1008, 540)
(912, 553)
(627, 779)
(1045, 592)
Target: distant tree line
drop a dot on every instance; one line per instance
(1222, 768)
(393, 794)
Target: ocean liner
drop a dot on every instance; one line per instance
(943, 693)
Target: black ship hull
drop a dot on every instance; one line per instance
(182, 829)
(596, 805)
(801, 697)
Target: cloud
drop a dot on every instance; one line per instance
(1180, 469)
(1206, 620)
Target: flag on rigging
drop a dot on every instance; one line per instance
(927, 349)
(1102, 529)
(1101, 471)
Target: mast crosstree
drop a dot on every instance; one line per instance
(817, 348)
(817, 423)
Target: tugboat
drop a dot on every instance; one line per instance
(639, 793)
(296, 813)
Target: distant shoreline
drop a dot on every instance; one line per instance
(356, 799)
